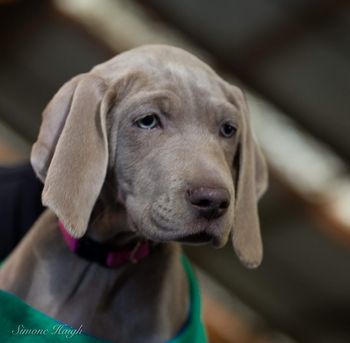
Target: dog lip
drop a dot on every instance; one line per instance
(196, 238)
(217, 242)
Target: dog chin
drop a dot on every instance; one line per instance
(195, 239)
(202, 237)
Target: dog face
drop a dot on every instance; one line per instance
(174, 137)
(174, 157)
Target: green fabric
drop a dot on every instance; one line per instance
(14, 313)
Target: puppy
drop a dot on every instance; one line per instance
(150, 146)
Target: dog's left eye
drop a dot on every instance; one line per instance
(148, 122)
(227, 130)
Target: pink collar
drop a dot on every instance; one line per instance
(104, 254)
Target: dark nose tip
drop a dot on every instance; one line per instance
(209, 203)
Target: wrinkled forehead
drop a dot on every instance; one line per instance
(168, 75)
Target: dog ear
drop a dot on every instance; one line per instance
(251, 182)
(71, 153)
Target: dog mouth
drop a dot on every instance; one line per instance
(196, 238)
(199, 238)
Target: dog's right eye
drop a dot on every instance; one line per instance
(148, 122)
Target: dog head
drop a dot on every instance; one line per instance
(172, 135)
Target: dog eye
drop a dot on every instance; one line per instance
(148, 122)
(227, 130)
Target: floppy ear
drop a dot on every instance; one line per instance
(71, 153)
(251, 183)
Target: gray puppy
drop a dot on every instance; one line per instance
(150, 144)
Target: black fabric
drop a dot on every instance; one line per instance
(20, 204)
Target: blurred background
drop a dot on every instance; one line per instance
(292, 57)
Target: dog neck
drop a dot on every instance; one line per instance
(104, 253)
(108, 232)
(109, 224)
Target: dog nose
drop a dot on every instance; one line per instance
(209, 203)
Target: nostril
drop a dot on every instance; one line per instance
(209, 202)
(224, 205)
(202, 203)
